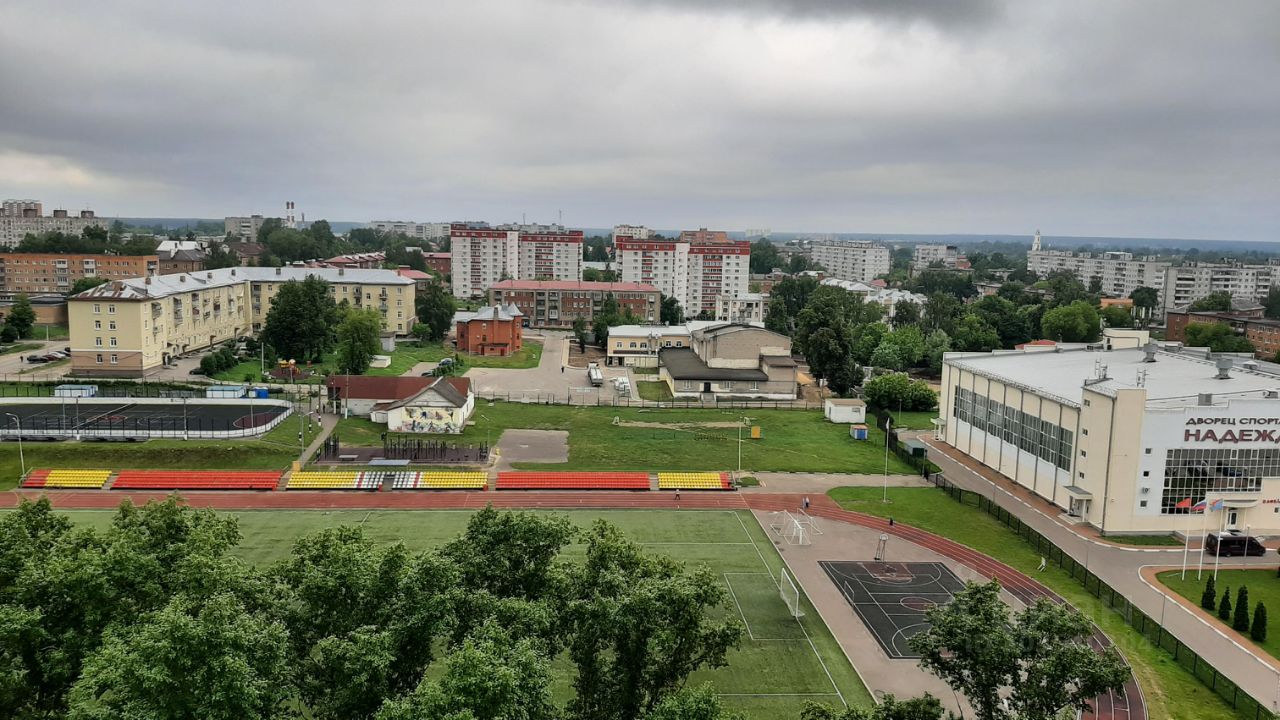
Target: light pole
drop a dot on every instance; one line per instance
(741, 422)
(21, 458)
(186, 434)
(487, 432)
(888, 423)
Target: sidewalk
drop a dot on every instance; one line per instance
(1256, 673)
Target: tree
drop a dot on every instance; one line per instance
(1095, 285)
(1064, 287)
(580, 331)
(436, 308)
(1003, 315)
(1117, 317)
(1145, 300)
(1258, 630)
(764, 257)
(218, 256)
(85, 283)
(358, 339)
(973, 334)
(894, 390)
(671, 313)
(1213, 302)
(1240, 621)
(8, 333)
(700, 703)
(1077, 322)
(208, 659)
(21, 316)
(951, 283)
(786, 299)
(905, 313)
(1218, 337)
(888, 356)
(845, 377)
(1209, 598)
(1271, 304)
(1224, 605)
(925, 707)
(1041, 657)
(942, 312)
(910, 343)
(300, 324)
(268, 226)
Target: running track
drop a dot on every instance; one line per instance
(1127, 705)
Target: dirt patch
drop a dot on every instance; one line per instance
(579, 359)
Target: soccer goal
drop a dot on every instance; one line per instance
(795, 530)
(790, 593)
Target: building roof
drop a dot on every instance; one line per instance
(725, 328)
(370, 387)
(845, 402)
(413, 274)
(684, 364)
(489, 312)
(573, 285)
(152, 288)
(454, 390)
(778, 360)
(647, 330)
(1175, 378)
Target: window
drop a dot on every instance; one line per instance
(97, 324)
(111, 309)
(113, 341)
(1142, 503)
(115, 358)
(99, 358)
(97, 341)
(633, 344)
(1194, 474)
(111, 325)
(97, 309)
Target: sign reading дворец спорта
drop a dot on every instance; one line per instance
(1231, 434)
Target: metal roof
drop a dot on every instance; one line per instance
(151, 288)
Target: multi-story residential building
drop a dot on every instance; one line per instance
(1261, 332)
(245, 227)
(631, 232)
(421, 231)
(747, 308)
(129, 328)
(438, 261)
(859, 260)
(481, 256)
(1246, 283)
(182, 260)
(661, 263)
(19, 218)
(1119, 272)
(55, 273)
(922, 256)
(557, 303)
(550, 253)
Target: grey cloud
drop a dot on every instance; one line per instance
(941, 12)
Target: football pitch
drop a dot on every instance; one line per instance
(782, 661)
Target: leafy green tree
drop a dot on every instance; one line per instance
(1077, 322)
(905, 313)
(580, 331)
(894, 390)
(955, 284)
(827, 350)
(21, 315)
(1064, 287)
(925, 707)
(1271, 304)
(786, 299)
(1218, 337)
(218, 256)
(764, 257)
(1003, 315)
(1209, 598)
(641, 625)
(436, 308)
(698, 703)
(942, 312)
(1258, 630)
(192, 659)
(935, 345)
(1040, 657)
(85, 283)
(358, 339)
(888, 356)
(1145, 300)
(846, 377)
(8, 333)
(1117, 317)
(1013, 291)
(910, 343)
(973, 334)
(866, 338)
(1095, 285)
(300, 324)
(1224, 605)
(671, 312)
(268, 226)
(1240, 621)
(491, 676)
(1213, 302)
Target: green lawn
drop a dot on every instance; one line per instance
(49, 332)
(406, 355)
(1145, 540)
(1170, 691)
(18, 348)
(792, 440)
(359, 431)
(644, 371)
(770, 676)
(921, 420)
(655, 390)
(1263, 586)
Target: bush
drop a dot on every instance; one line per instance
(1240, 623)
(1259, 630)
(1209, 598)
(1224, 607)
(898, 390)
(8, 333)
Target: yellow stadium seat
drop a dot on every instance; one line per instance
(77, 478)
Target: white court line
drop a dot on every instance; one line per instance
(734, 595)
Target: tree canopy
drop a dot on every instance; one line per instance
(357, 339)
(1213, 302)
(436, 308)
(1218, 337)
(301, 322)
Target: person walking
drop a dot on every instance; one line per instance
(805, 506)
(677, 495)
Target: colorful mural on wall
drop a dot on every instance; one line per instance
(426, 420)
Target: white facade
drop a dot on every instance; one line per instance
(420, 231)
(663, 264)
(1120, 272)
(745, 308)
(1246, 283)
(22, 217)
(631, 232)
(550, 256)
(246, 227)
(922, 256)
(480, 257)
(716, 270)
(862, 261)
(1126, 440)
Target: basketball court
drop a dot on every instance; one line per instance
(892, 598)
(65, 415)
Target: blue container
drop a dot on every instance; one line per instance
(261, 393)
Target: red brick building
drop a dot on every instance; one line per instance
(1262, 333)
(438, 261)
(557, 303)
(493, 330)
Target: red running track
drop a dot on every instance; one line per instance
(1127, 705)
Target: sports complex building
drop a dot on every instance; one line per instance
(1127, 441)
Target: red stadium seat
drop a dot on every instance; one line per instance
(35, 479)
(196, 480)
(573, 481)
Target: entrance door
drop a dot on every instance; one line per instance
(1233, 519)
(706, 387)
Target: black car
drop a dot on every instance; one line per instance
(37, 358)
(1233, 543)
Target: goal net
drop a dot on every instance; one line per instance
(790, 594)
(795, 530)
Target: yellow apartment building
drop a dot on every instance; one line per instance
(129, 328)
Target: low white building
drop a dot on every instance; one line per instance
(745, 308)
(845, 410)
(442, 407)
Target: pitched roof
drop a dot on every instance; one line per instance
(365, 387)
(454, 390)
(684, 364)
(165, 285)
(489, 312)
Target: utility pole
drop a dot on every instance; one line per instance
(21, 458)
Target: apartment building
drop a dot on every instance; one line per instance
(858, 260)
(481, 255)
(1119, 272)
(747, 308)
(246, 227)
(421, 231)
(557, 303)
(664, 264)
(1261, 332)
(698, 268)
(19, 218)
(1247, 283)
(182, 260)
(631, 232)
(34, 273)
(923, 256)
(129, 328)
(550, 253)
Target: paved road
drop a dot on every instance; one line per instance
(551, 380)
(12, 364)
(1121, 568)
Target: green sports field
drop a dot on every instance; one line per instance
(782, 662)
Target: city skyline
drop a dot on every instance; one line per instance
(1113, 120)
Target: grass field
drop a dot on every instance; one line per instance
(1145, 540)
(655, 390)
(406, 355)
(1170, 691)
(781, 663)
(18, 348)
(1263, 586)
(922, 420)
(49, 332)
(792, 440)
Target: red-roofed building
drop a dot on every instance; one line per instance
(557, 303)
(438, 261)
(406, 404)
(420, 279)
(495, 330)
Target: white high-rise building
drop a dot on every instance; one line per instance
(922, 256)
(550, 253)
(1245, 283)
(631, 232)
(661, 263)
(246, 227)
(860, 260)
(416, 230)
(481, 256)
(1119, 272)
(698, 269)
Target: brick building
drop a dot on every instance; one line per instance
(438, 261)
(557, 303)
(182, 260)
(56, 272)
(1262, 333)
(493, 330)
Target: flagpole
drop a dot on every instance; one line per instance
(1204, 531)
(1217, 549)
(1186, 545)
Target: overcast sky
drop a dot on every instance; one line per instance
(1080, 118)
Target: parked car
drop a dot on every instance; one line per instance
(60, 355)
(1233, 543)
(36, 358)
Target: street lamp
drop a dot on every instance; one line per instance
(888, 423)
(21, 458)
(741, 422)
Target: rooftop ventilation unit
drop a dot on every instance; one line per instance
(1150, 350)
(1249, 365)
(1273, 393)
(1224, 369)
(1205, 399)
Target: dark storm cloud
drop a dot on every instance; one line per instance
(1135, 118)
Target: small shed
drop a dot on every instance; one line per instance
(858, 432)
(845, 410)
(75, 391)
(226, 391)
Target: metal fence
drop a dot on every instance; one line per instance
(1148, 627)
(141, 428)
(600, 397)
